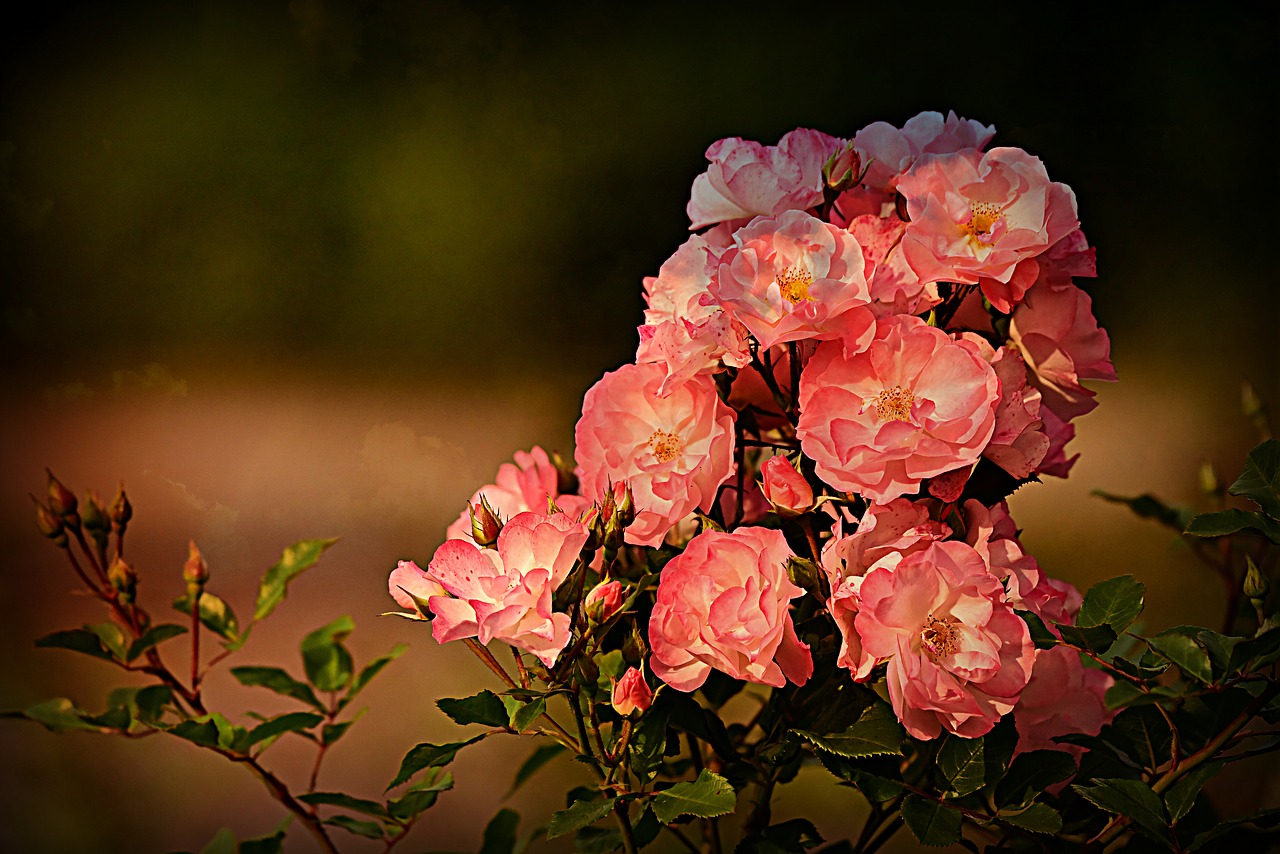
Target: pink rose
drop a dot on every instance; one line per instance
(895, 287)
(631, 693)
(723, 603)
(408, 580)
(793, 276)
(983, 219)
(958, 657)
(886, 534)
(747, 179)
(913, 405)
(785, 488)
(675, 450)
(1058, 335)
(1056, 462)
(505, 593)
(891, 152)
(1019, 443)
(525, 485)
(1063, 698)
(604, 600)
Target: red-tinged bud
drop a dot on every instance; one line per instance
(61, 500)
(49, 524)
(604, 600)
(595, 528)
(123, 579)
(625, 503)
(843, 169)
(121, 511)
(631, 693)
(566, 479)
(195, 571)
(485, 523)
(785, 488)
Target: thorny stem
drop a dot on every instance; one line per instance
(100, 569)
(492, 663)
(281, 793)
(195, 640)
(524, 672)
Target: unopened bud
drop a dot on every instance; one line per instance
(94, 516)
(626, 504)
(1209, 479)
(195, 571)
(785, 488)
(566, 479)
(121, 511)
(604, 600)
(123, 579)
(1256, 585)
(634, 647)
(61, 500)
(485, 523)
(843, 169)
(595, 528)
(49, 523)
(631, 693)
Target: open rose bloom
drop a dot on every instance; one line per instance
(796, 493)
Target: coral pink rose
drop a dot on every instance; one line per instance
(525, 485)
(1019, 443)
(895, 287)
(913, 405)
(723, 603)
(890, 151)
(675, 450)
(784, 487)
(1063, 698)
(958, 656)
(1056, 462)
(886, 534)
(505, 593)
(407, 581)
(604, 600)
(747, 179)
(631, 693)
(793, 276)
(1058, 335)
(982, 219)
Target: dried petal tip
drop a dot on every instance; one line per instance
(195, 571)
(485, 523)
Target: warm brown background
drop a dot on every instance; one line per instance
(316, 268)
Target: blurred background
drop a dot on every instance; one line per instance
(316, 268)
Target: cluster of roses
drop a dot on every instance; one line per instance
(861, 338)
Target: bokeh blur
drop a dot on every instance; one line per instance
(310, 268)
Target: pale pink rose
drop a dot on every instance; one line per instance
(505, 593)
(1060, 338)
(604, 600)
(992, 532)
(747, 179)
(792, 277)
(723, 603)
(675, 450)
(1019, 443)
(785, 488)
(1056, 462)
(1070, 257)
(631, 693)
(524, 485)
(1063, 698)
(895, 287)
(890, 151)
(983, 219)
(885, 534)
(683, 331)
(408, 578)
(913, 405)
(958, 657)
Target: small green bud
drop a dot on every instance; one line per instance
(94, 516)
(121, 511)
(49, 524)
(123, 579)
(1209, 484)
(485, 523)
(1256, 585)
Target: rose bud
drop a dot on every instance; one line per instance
(785, 488)
(603, 602)
(631, 693)
(195, 571)
(485, 524)
(123, 579)
(61, 500)
(49, 523)
(121, 511)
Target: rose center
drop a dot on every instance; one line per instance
(940, 636)
(986, 223)
(794, 284)
(894, 404)
(665, 446)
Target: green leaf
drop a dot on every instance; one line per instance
(1142, 733)
(203, 732)
(1219, 648)
(215, 614)
(1182, 796)
(1040, 634)
(1181, 646)
(796, 835)
(330, 733)
(421, 795)
(500, 833)
(338, 799)
(279, 681)
(269, 844)
(1226, 522)
(1115, 602)
(876, 732)
(1130, 798)
(524, 716)
(430, 756)
(961, 761)
(326, 660)
(112, 637)
(649, 739)
(707, 797)
(150, 703)
(1038, 818)
(1266, 819)
(279, 725)
(932, 823)
(296, 559)
(1030, 774)
(541, 755)
(78, 640)
(1150, 507)
(597, 840)
(368, 829)
(59, 715)
(1093, 638)
(152, 636)
(579, 815)
(483, 708)
(223, 842)
(1248, 655)
(1260, 480)
(371, 670)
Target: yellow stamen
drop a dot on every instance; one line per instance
(939, 636)
(794, 284)
(894, 404)
(985, 222)
(665, 446)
